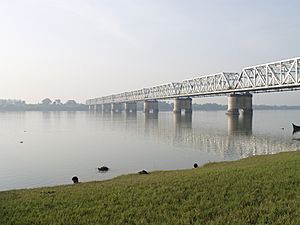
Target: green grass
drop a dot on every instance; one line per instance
(257, 190)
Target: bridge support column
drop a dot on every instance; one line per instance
(106, 108)
(151, 106)
(116, 107)
(239, 101)
(91, 107)
(130, 107)
(233, 104)
(182, 104)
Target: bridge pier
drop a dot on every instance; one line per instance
(130, 107)
(116, 107)
(233, 104)
(239, 101)
(106, 108)
(151, 106)
(182, 104)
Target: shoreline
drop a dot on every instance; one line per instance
(255, 190)
(154, 171)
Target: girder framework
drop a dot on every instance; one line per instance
(276, 75)
(267, 77)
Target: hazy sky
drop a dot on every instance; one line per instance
(80, 49)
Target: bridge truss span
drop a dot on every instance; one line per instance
(275, 76)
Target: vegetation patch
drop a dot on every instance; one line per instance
(257, 190)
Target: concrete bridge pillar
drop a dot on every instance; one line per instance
(151, 106)
(107, 108)
(116, 107)
(239, 101)
(233, 104)
(130, 107)
(182, 104)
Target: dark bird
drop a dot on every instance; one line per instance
(103, 169)
(21, 142)
(143, 172)
(75, 180)
(195, 165)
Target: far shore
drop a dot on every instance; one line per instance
(163, 106)
(41, 107)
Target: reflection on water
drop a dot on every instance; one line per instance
(149, 116)
(182, 120)
(131, 116)
(238, 142)
(240, 124)
(59, 145)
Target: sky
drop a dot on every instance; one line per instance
(81, 49)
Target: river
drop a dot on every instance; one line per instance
(49, 148)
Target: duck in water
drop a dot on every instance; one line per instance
(103, 169)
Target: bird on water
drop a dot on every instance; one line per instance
(103, 169)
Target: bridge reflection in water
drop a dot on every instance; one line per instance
(186, 132)
(239, 124)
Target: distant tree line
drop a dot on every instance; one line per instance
(276, 107)
(11, 102)
(45, 105)
(48, 101)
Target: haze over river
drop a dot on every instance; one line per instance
(59, 145)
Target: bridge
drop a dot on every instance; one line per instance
(238, 87)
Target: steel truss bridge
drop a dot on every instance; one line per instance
(275, 76)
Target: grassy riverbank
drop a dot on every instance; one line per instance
(257, 190)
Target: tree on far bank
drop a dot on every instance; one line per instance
(57, 102)
(46, 101)
(71, 102)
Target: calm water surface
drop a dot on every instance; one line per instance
(59, 145)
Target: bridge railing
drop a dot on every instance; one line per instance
(275, 75)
